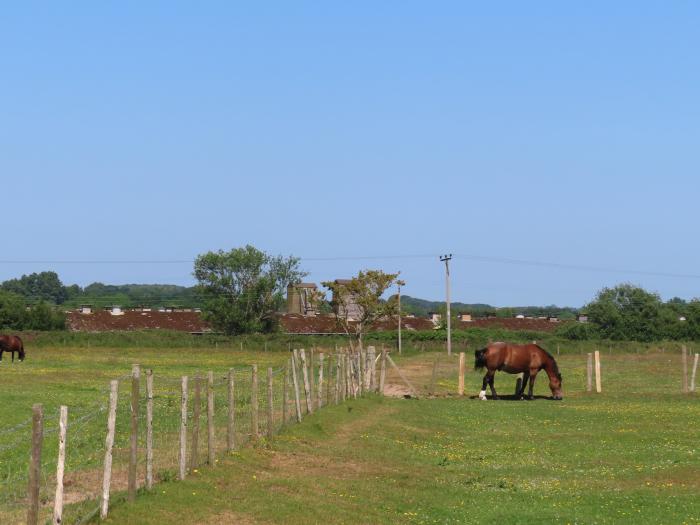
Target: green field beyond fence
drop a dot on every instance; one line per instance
(629, 452)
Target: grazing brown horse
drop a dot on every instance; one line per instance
(11, 343)
(514, 359)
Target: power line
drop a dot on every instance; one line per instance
(470, 257)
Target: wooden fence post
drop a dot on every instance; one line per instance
(589, 373)
(254, 403)
(355, 375)
(231, 421)
(60, 466)
(295, 381)
(312, 379)
(360, 368)
(211, 443)
(382, 372)
(692, 375)
(149, 429)
(196, 415)
(183, 430)
(462, 368)
(372, 352)
(109, 445)
(598, 387)
(684, 359)
(35, 465)
(285, 387)
(134, 443)
(270, 405)
(337, 379)
(320, 380)
(328, 380)
(305, 374)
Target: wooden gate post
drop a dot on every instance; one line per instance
(60, 466)
(35, 465)
(589, 373)
(134, 443)
(109, 445)
(598, 387)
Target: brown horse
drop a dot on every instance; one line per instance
(515, 359)
(11, 343)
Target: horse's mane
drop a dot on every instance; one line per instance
(554, 362)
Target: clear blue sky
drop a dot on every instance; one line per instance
(559, 132)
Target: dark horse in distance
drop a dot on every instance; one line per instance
(11, 343)
(514, 359)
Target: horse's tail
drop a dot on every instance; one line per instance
(479, 359)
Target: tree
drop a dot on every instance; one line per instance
(44, 286)
(243, 289)
(357, 302)
(628, 312)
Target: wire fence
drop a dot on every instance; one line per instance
(156, 418)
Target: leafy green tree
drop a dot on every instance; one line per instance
(42, 316)
(358, 303)
(628, 312)
(13, 313)
(44, 286)
(243, 289)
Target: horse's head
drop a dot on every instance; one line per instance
(21, 354)
(555, 385)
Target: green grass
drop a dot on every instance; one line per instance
(629, 454)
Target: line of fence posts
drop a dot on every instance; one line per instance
(354, 374)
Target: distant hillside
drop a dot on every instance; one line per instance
(421, 307)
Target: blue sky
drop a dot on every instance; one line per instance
(554, 132)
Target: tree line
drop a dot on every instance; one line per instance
(243, 291)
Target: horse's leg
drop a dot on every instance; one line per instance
(533, 375)
(482, 394)
(13, 355)
(493, 390)
(519, 393)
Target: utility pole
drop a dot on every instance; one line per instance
(446, 260)
(400, 283)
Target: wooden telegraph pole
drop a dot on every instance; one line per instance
(446, 259)
(399, 283)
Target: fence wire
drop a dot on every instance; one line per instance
(274, 397)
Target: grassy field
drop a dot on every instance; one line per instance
(630, 453)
